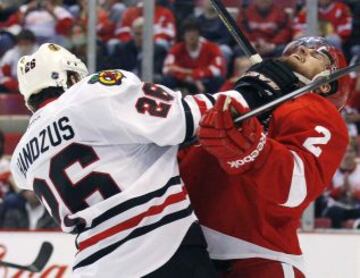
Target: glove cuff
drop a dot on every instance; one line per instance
(241, 165)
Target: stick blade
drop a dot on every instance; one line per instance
(43, 257)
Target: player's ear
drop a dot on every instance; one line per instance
(324, 89)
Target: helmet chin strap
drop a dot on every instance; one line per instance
(302, 78)
(307, 81)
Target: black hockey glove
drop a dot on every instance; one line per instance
(265, 82)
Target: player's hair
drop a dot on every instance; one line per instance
(191, 24)
(26, 35)
(36, 100)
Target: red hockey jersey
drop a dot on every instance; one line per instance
(164, 23)
(336, 18)
(256, 214)
(272, 28)
(208, 62)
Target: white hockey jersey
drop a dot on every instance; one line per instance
(102, 158)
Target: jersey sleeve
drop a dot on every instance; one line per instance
(17, 175)
(306, 148)
(130, 111)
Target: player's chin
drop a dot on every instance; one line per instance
(291, 61)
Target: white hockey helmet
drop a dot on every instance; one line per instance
(47, 67)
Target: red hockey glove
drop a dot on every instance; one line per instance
(236, 148)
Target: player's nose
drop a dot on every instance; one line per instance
(303, 52)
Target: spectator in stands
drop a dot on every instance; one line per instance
(352, 119)
(183, 9)
(335, 22)
(77, 45)
(266, 26)
(195, 63)
(129, 55)
(104, 26)
(241, 65)
(343, 200)
(25, 45)
(49, 21)
(116, 9)
(6, 184)
(30, 214)
(7, 41)
(213, 29)
(164, 24)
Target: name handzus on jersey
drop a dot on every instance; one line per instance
(51, 136)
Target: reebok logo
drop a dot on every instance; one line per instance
(252, 156)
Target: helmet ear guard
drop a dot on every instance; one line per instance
(48, 67)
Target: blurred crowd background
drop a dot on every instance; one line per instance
(193, 52)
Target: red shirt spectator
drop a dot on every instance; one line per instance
(205, 62)
(195, 62)
(105, 28)
(164, 24)
(335, 21)
(265, 25)
(343, 197)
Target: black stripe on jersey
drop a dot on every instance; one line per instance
(210, 98)
(134, 234)
(129, 204)
(189, 121)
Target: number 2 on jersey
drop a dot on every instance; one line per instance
(311, 142)
(155, 101)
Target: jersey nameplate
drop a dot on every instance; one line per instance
(51, 136)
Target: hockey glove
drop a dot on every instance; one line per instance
(236, 148)
(266, 81)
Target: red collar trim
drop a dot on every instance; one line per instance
(45, 102)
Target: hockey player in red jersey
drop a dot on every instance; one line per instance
(249, 185)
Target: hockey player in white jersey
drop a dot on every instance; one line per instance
(100, 152)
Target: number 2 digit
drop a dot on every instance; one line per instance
(311, 142)
(150, 103)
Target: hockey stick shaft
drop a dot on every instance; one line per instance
(40, 261)
(311, 86)
(307, 88)
(235, 31)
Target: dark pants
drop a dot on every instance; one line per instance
(339, 214)
(191, 260)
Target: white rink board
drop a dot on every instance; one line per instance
(22, 248)
(328, 255)
(331, 255)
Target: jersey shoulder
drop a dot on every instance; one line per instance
(309, 110)
(102, 85)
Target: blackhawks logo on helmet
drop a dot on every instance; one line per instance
(107, 77)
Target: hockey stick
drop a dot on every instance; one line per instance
(298, 92)
(39, 263)
(235, 31)
(307, 88)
